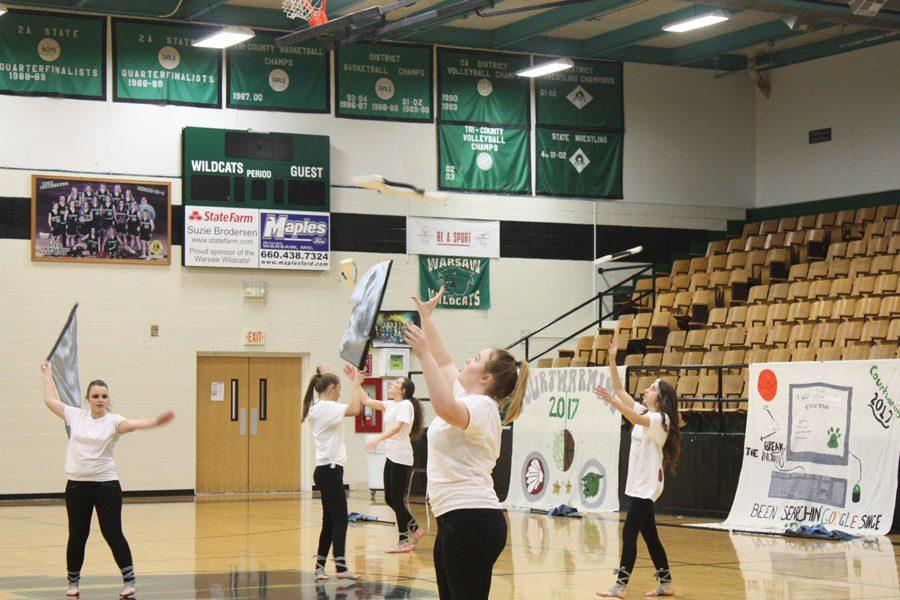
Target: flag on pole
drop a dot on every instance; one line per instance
(64, 362)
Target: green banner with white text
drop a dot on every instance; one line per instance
(584, 164)
(44, 54)
(466, 281)
(478, 158)
(482, 87)
(587, 96)
(262, 76)
(158, 63)
(390, 82)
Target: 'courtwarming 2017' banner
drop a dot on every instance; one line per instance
(821, 448)
(566, 443)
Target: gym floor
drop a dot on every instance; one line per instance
(262, 547)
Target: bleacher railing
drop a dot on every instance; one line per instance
(641, 270)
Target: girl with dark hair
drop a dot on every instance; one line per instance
(326, 418)
(463, 446)
(402, 426)
(93, 482)
(655, 445)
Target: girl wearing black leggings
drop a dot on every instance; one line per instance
(463, 446)
(402, 426)
(326, 418)
(93, 482)
(655, 441)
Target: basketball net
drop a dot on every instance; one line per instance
(312, 11)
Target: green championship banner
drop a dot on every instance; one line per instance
(157, 63)
(391, 82)
(483, 159)
(587, 96)
(466, 281)
(44, 54)
(586, 164)
(262, 76)
(481, 87)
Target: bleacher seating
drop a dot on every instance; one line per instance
(815, 287)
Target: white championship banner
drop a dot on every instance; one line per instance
(566, 443)
(821, 448)
(453, 237)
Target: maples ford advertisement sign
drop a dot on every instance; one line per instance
(256, 239)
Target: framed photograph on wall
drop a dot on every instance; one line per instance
(369, 420)
(389, 327)
(78, 219)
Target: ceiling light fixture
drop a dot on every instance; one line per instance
(2, 9)
(229, 36)
(704, 20)
(559, 64)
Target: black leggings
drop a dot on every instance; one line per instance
(396, 480)
(330, 482)
(81, 498)
(467, 546)
(640, 519)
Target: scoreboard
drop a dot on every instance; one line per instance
(246, 169)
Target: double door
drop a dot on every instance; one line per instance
(248, 424)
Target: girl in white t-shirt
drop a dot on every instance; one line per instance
(92, 478)
(326, 418)
(655, 445)
(402, 426)
(463, 446)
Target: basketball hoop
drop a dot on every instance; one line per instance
(312, 11)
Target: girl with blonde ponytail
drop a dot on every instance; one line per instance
(463, 447)
(326, 418)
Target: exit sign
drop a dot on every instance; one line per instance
(254, 337)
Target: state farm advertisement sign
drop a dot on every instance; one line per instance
(256, 239)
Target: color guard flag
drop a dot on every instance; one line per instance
(64, 362)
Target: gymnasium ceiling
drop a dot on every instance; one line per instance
(629, 30)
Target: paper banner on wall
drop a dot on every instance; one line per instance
(821, 448)
(453, 237)
(566, 443)
(466, 281)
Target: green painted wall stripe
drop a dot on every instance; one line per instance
(822, 206)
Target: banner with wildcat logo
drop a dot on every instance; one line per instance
(466, 281)
(566, 443)
(821, 448)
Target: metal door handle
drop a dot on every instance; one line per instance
(243, 421)
(254, 421)
(234, 399)
(263, 399)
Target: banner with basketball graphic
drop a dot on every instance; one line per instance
(159, 63)
(53, 54)
(262, 76)
(566, 443)
(385, 82)
(821, 448)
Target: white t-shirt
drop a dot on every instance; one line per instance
(89, 455)
(326, 418)
(645, 458)
(398, 447)
(460, 461)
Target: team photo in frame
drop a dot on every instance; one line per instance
(78, 219)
